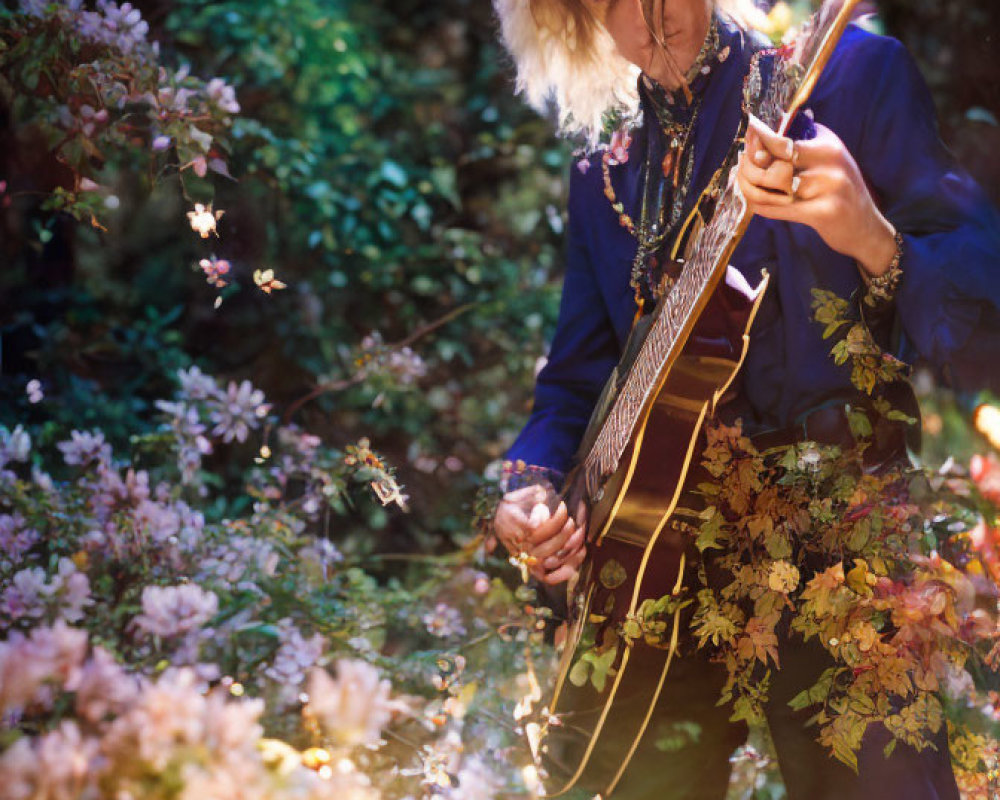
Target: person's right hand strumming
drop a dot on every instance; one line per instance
(555, 541)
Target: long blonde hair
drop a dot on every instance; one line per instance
(564, 56)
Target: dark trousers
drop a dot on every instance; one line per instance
(700, 768)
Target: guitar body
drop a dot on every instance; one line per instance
(636, 459)
(637, 554)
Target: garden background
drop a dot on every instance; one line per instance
(273, 294)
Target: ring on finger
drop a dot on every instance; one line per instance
(796, 185)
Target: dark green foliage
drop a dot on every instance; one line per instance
(386, 173)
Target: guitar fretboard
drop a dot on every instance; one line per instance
(675, 316)
(795, 68)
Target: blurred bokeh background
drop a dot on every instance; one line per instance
(384, 170)
(385, 272)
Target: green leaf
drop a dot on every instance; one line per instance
(818, 692)
(861, 426)
(580, 672)
(778, 546)
(860, 535)
(602, 667)
(710, 533)
(393, 173)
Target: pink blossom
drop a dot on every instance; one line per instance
(296, 655)
(112, 493)
(300, 443)
(103, 688)
(222, 95)
(171, 99)
(402, 364)
(238, 412)
(169, 611)
(196, 385)
(175, 723)
(72, 591)
(189, 430)
(444, 621)
(237, 558)
(26, 595)
(481, 585)
(62, 763)
(15, 537)
(621, 140)
(27, 663)
(354, 707)
(91, 120)
(85, 447)
(214, 268)
(120, 26)
(321, 555)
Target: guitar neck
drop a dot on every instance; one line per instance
(796, 69)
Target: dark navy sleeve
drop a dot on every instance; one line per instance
(583, 353)
(948, 299)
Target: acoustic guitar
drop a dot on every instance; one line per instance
(636, 457)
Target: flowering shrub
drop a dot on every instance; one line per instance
(412, 207)
(170, 736)
(92, 86)
(136, 629)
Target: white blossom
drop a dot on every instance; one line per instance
(203, 219)
(15, 445)
(222, 95)
(444, 621)
(353, 707)
(34, 391)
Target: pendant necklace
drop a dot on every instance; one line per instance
(674, 174)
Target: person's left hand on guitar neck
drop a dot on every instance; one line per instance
(555, 541)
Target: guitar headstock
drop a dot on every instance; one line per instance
(798, 65)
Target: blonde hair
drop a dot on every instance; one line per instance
(564, 55)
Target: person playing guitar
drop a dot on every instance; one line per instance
(860, 196)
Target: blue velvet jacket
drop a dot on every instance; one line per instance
(948, 302)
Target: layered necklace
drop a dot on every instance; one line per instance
(667, 177)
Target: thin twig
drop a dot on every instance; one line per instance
(358, 377)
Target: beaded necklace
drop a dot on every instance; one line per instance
(671, 178)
